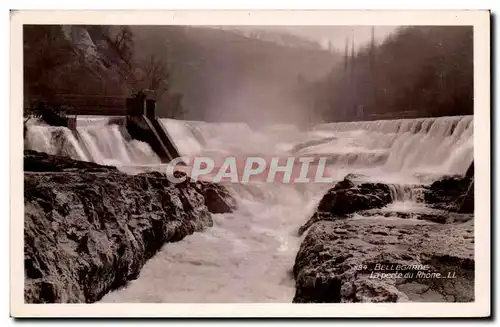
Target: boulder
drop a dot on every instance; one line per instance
(217, 198)
(452, 193)
(346, 198)
(385, 260)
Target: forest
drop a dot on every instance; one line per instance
(419, 71)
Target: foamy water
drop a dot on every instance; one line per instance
(94, 139)
(247, 256)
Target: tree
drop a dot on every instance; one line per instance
(153, 74)
(420, 71)
(123, 43)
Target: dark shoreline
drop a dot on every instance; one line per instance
(342, 259)
(89, 228)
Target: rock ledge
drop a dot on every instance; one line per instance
(89, 229)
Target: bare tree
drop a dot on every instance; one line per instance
(123, 42)
(157, 75)
(153, 74)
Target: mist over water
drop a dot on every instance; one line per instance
(247, 256)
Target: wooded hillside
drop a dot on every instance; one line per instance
(423, 71)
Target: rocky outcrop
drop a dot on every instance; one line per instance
(346, 198)
(433, 215)
(35, 161)
(465, 203)
(386, 260)
(217, 198)
(89, 229)
(443, 194)
(452, 193)
(384, 255)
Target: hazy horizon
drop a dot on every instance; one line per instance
(336, 35)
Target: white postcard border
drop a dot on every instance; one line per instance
(479, 19)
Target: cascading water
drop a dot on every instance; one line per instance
(247, 256)
(95, 139)
(53, 140)
(441, 145)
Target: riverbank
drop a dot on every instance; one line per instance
(90, 228)
(355, 251)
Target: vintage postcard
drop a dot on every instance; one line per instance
(250, 164)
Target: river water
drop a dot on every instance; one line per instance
(248, 255)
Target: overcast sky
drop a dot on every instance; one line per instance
(338, 34)
(335, 34)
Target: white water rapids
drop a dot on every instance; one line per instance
(247, 256)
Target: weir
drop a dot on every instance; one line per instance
(442, 145)
(85, 150)
(401, 152)
(150, 131)
(257, 242)
(137, 114)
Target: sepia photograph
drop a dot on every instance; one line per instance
(207, 161)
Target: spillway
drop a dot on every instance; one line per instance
(97, 139)
(247, 255)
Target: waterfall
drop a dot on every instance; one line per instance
(425, 146)
(248, 254)
(54, 140)
(95, 139)
(441, 145)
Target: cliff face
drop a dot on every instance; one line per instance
(89, 229)
(75, 59)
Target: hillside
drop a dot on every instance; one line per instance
(266, 33)
(421, 71)
(71, 60)
(227, 76)
(196, 73)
